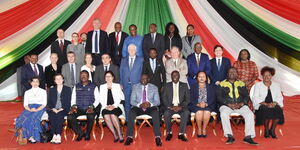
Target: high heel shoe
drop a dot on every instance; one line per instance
(121, 141)
(266, 134)
(273, 135)
(116, 140)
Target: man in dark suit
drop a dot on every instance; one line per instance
(105, 66)
(116, 41)
(219, 66)
(153, 40)
(60, 47)
(97, 42)
(20, 87)
(83, 37)
(30, 70)
(176, 97)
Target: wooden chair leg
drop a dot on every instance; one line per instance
(260, 130)
(193, 125)
(164, 128)
(280, 131)
(65, 129)
(123, 125)
(214, 125)
(93, 130)
(101, 128)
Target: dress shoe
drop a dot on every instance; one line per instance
(87, 137)
(248, 140)
(266, 134)
(158, 141)
(121, 141)
(128, 141)
(230, 140)
(199, 135)
(204, 135)
(182, 138)
(116, 140)
(273, 135)
(169, 137)
(79, 138)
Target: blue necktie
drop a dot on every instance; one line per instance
(96, 42)
(219, 64)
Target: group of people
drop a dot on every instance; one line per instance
(158, 75)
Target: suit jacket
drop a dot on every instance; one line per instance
(181, 67)
(115, 49)
(211, 97)
(184, 95)
(103, 42)
(176, 41)
(49, 74)
(117, 94)
(99, 74)
(65, 96)
(187, 47)
(137, 95)
(159, 44)
(130, 77)
(27, 73)
(66, 72)
(158, 77)
(62, 55)
(222, 74)
(194, 69)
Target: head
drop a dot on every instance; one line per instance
(232, 74)
(171, 28)
(34, 58)
(84, 76)
(144, 79)
(267, 73)
(198, 48)
(96, 23)
(152, 28)
(53, 58)
(83, 36)
(175, 52)
(153, 53)
(131, 50)
(118, 27)
(26, 59)
(88, 58)
(190, 30)
(71, 57)
(133, 30)
(244, 55)
(175, 76)
(75, 37)
(35, 82)
(109, 76)
(106, 59)
(218, 50)
(201, 77)
(60, 33)
(58, 79)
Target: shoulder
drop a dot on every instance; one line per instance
(252, 62)
(67, 88)
(135, 86)
(190, 56)
(67, 41)
(103, 32)
(183, 84)
(152, 86)
(42, 91)
(140, 58)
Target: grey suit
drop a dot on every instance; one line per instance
(136, 110)
(184, 100)
(79, 51)
(187, 47)
(99, 74)
(66, 72)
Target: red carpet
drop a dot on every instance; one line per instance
(145, 140)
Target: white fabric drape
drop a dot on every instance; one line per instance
(119, 15)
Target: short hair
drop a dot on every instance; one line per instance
(216, 46)
(33, 78)
(60, 29)
(132, 45)
(202, 72)
(33, 54)
(267, 69)
(71, 52)
(175, 71)
(190, 25)
(153, 24)
(110, 72)
(231, 68)
(197, 43)
(244, 50)
(84, 71)
(97, 19)
(118, 23)
(154, 49)
(58, 74)
(83, 33)
(133, 25)
(75, 33)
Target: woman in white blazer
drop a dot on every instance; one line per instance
(268, 102)
(111, 96)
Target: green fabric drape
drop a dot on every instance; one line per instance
(263, 26)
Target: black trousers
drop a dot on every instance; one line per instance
(72, 119)
(136, 111)
(56, 121)
(96, 59)
(184, 114)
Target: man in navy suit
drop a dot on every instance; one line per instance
(130, 74)
(30, 70)
(197, 61)
(219, 66)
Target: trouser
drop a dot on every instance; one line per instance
(96, 59)
(247, 114)
(127, 93)
(72, 119)
(184, 114)
(56, 121)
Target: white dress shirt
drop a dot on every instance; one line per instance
(35, 96)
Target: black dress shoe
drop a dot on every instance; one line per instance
(121, 141)
(199, 135)
(32, 142)
(79, 138)
(249, 141)
(230, 140)
(158, 141)
(87, 137)
(273, 135)
(266, 134)
(169, 137)
(182, 138)
(128, 141)
(204, 135)
(116, 140)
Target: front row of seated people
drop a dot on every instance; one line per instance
(202, 98)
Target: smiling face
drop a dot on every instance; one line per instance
(71, 57)
(152, 28)
(267, 76)
(60, 33)
(198, 48)
(75, 37)
(201, 78)
(190, 30)
(132, 50)
(34, 59)
(144, 79)
(96, 24)
(105, 59)
(84, 77)
(175, 52)
(53, 58)
(109, 78)
(232, 74)
(132, 30)
(172, 28)
(244, 55)
(175, 76)
(218, 52)
(118, 27)
(59, 80)
(152, 53)
(35, 83)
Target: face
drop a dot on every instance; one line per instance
(198, 48)
(26, 59)
(96, 24)
(53, 58)
(201, 78)
(190, 30)
(35, 83)
(84, 77)
(71, 58)
(59, 80)
(83, 37)
(175, 77)
(244, 55)
(132, 30)
(152, 28)
(218, 52)
(106, 59)
(144, 79)
(267, 76)
(175, 53)
(60, 33)
(118, 27)
(75, 37)
(131, 50)
(34, 59)
(88, 59)
(152, 54)
(172, 28)
(109, 78)
(232, 74)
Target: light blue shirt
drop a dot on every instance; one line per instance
(137, 41)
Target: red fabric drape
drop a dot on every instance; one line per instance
(208, 40)
(20, 16)
(288, 9)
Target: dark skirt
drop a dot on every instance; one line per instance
(194, 109)
(265, 113)
(116, 111)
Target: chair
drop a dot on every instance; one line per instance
(193, 120)
(145, 119)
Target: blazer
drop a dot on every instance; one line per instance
(184, 95)
(99, 74)
(187, 47)
(130, 77)
(65, 97)
(193, 68)
(117, 94)
(158, 77)
(211, 97)
(115, 49)
(159, 44)
(79, 51)
(217, 75)
(62, 55)
(176, 41)
(103, 42)
(181, 67)
(137, 95)
(27, 73)
(49, 74)
(66, 72)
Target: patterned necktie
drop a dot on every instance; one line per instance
(96, 42)
(144, 97)
(35, 70)
(61, 45)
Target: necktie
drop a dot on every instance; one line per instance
(61, 45)
(198, 60)
(72, 75)
(152, 37)
(175, 96)
(117, 38)
(219, 64)
(175, 62)
(106, 68)
(35, 70)
(96, 42)
(153, 65)
(131, 63)
(144, 97)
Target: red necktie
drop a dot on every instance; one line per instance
(61, 45)
(117, 38)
